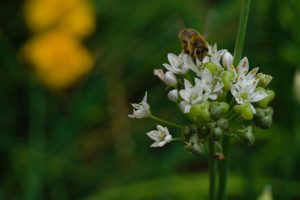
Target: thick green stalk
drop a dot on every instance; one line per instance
(212, 170)
(223, 164)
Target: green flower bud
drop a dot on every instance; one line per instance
(217, 109)
(263, 80)
(264, 102)
(244, 110)
(247, 134)
(201, 111)
(227, 77)
(217, 133)
(194, 145)
(213, 68)
(223, 123)
(263, 117)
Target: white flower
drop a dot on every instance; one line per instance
(191, 94)
(141, 110)
(177, 64)
(161, 136)
(168, 78)
(214, 55)
(173, 95)
(244, 92)
(242, 70)
(211, 86)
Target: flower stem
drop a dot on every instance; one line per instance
(166, 122)
(223, 165)
(212, 169)
(238, 50)
(223, 169)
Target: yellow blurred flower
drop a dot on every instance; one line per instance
(58, 59)
(74, 16)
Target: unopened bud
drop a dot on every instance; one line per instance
(244, 110)
(170, 79)
(173, 95)
(265, 101)
(247, 134)
(264, 80)
(195, 146)
(217, 133)
(223, 123)
(201, 111)
(227, 77)
(227, 59)
(212, 67)
(217, 109)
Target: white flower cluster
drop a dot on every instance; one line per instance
(198, 87)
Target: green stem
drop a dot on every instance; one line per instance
(223, 169)
(212, 169)
(166, 122)
(238, 50)
(223, 165)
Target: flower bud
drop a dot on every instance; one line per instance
(223, 123)
(247, 134)
(217, 133)
(201, 111)
(227, 77)
(263, 80)
(212, 67)
(244, 110)
(217, 109)
(194, 145)
(263, 117)
(173, 95)
(227, 59)
(170, 79)
(265, 101)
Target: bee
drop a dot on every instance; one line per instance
(193, 43)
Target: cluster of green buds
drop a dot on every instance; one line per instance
(217, 97)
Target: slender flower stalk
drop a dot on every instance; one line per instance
(212, 170)
(165, 122)
(224, 164)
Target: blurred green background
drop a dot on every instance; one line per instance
(79, 143)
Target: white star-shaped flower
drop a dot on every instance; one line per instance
(141, 110)
(178, 64)
(211, 86)
(244, 92)
(214, 55)
(161, 136)
(191, 94)
(242, 70)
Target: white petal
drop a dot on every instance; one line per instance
(154, 135)
(145, 98)
(257, 96)
(174, 60)
(253, 109)
(252, 73)
(243, 66)
(156, 144)
(218, 87)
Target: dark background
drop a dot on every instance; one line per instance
(80, 144)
